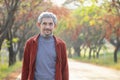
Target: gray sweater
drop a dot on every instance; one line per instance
(45, 59)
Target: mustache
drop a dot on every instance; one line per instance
(47, 29)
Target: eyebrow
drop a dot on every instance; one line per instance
(48, 22)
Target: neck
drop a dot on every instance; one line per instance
(46, 36)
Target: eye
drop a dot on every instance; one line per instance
(44, 23)
(50, 24)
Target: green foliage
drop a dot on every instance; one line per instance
(15, 40)
(89, 15)
(62, 24)
(7, 42)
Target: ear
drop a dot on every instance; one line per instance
(55, 26)
(38, 24)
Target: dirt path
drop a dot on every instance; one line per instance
(84, 71)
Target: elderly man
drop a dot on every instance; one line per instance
(45, 55)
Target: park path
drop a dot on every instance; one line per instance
(84, 71)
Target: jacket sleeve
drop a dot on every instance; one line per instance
(25, 66)
(65, 69)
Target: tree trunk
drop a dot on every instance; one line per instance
(97, 54)
(69, 53)
(117, 48)
(94, 51)
(90, 53)
(21, 54)
(12, 54)
(115, 53)
(77, 50)
(1, 41)
(85, 49)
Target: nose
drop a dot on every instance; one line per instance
(47, 26)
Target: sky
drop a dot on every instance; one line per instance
(72, 6)
(58, 2)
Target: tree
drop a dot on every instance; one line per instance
(9, 8)
(116, 5)
(18, 15)
(112, 20)
(25, 24)
(92, 31)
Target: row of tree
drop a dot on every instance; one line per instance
(95, 24)
(86, 26)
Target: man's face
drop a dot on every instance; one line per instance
(46, 26)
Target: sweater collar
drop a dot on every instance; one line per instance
(35, 39)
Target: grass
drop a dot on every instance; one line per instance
(105, 60)
(5, 70)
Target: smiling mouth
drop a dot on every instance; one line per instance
(47, 31)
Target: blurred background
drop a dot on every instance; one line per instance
(90, 28)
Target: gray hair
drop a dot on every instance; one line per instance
(47, 15)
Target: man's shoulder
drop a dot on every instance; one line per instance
(59, 40)
(32, 38)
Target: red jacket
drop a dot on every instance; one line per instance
(30, 51)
